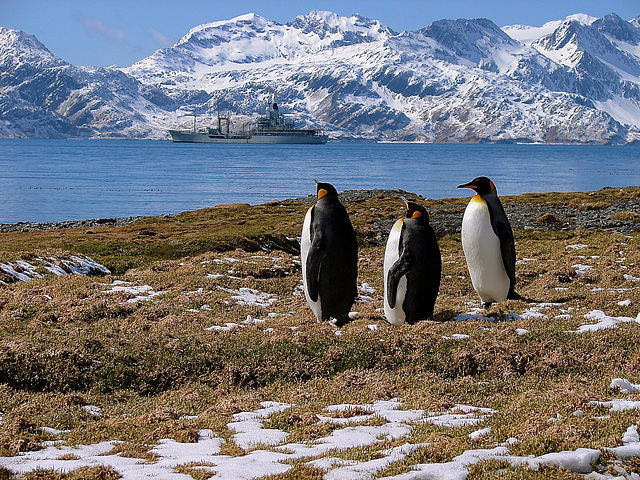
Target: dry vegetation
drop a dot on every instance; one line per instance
(65, 343)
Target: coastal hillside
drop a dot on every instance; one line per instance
(182, 347)
(575, 80)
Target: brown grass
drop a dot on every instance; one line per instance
(65, 344)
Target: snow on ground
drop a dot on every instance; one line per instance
(604, 321)
(76, 264)
(250, 433)
(249, 296)
(141, 293)
(624, 385)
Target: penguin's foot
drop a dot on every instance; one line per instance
(342, 320)
(515, 296)
(486, 305)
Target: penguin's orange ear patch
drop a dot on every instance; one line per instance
(321, 193)
(416, 214)
(492, 185)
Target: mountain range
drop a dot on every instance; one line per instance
(575, 80)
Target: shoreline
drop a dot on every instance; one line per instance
(446, 219)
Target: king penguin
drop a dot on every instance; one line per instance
(412, 268)
(329, 255)
(487, 241)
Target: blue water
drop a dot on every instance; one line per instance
(53, 180)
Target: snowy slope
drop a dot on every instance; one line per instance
(43, 96)
(575, 80)
(603, 55)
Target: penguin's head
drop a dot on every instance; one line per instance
(415, 211)
(482, 186)
(325, 189)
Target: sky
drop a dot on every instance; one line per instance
(121, 32)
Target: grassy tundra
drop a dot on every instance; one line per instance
(223, 325)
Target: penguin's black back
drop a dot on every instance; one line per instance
(338, 272)
(423, 279)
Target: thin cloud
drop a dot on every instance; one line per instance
(160, 38)
(98, 27)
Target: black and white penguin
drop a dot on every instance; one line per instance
(412, 268)
(329, 255)
(487, 241)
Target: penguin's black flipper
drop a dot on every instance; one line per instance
(396, 272)
(314, 261)
(508, 251)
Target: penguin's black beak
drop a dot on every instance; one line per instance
(468, 185)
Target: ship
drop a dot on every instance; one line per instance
(272, 128)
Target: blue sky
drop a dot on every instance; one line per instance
(121, 32)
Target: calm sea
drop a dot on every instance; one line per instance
(53, 180)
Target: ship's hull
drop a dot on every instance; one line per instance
(280, 138)
(200, 137)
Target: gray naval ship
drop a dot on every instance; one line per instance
(271, 128)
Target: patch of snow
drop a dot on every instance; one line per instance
(53, 431)
(9, 269)
(250, 432)
(624, 110)
(474, 314)
(581, 269)
(78, 265)
(345, 420)
(92, 410)
(469, 416)
(630, 447)
(142, 293)
(631, 435)
(533, 312)
(227, 327)
(84, 266)
(618, 405)
(363, 470)
(480, 433)
(364, 299)
(631, 278)
(250, 297)
(366, 288)
(604, 321)
(624, 303)
(624, 385)
(521, 331)
(577, 246)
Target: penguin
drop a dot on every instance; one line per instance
(329, 256)
(412, 268)
(487, 241)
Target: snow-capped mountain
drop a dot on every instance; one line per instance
(43, 96)
(575, 80)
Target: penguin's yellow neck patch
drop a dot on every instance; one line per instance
(321, 193)
(477, 199)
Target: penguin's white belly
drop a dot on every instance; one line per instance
(396, 315)
(305, 245)
(482, 251)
